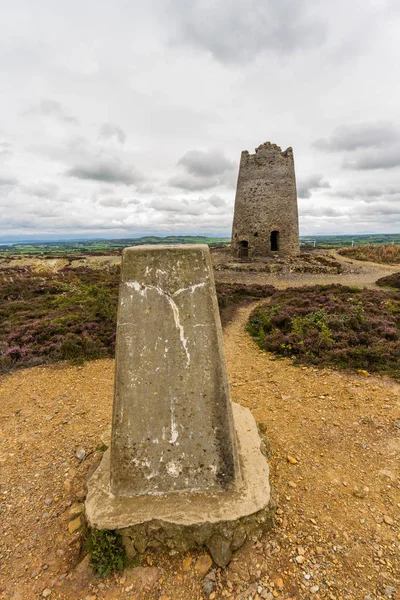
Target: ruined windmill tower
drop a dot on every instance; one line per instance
(266, 218)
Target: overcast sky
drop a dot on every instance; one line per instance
(125, 118)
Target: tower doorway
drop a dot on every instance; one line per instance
(243, 249)
(274, 241)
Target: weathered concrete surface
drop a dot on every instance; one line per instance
(172, 419)
(221, 521)
(266, 202)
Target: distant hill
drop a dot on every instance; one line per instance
(106, 246)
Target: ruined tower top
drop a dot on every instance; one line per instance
(266, 217)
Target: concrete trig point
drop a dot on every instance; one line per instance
(185, 467)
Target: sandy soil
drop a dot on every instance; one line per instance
(334, 453)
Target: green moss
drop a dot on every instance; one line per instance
(107, 551)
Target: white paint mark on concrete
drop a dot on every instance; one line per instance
(191, 288)
(142, 289)
(174, 429)
(173, 470)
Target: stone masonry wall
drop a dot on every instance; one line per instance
(266, 201)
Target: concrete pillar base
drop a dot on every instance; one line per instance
(222, 521)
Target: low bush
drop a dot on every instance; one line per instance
(332, 325)
(381, 253)
(392, 281)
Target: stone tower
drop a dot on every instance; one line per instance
(266, 219)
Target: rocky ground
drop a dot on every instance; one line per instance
(334, 454)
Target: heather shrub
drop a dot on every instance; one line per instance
(392, 281)
(332, 325)
(68, 315)
(71, 314)
(381, 253)
(230, 295)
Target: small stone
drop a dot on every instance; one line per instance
(300, 559)
(76, 509)
(186, 563)
(267, 595)
(48, 501)
(203, 564)
(388, 520)
(212, 596)
(361, 493)
(292, 484)
(34, 574)
(314, 589)
(319, 550)
(292, 460)
(279, 583)
(301, 550)
(207, 586)
(46, 593)
(389, 591)
(75, 525)
(80, 454)
(363, 372)
(220, 549)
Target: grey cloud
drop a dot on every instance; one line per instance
(109, 131)
(5, 149)
(108, 170)
(306, 185)
(113, 202)
(206, 163)
(377, 209)
(42, 189)
(191, 183)
(362, 135)
(236, 31)
(368, 161)
(203, 170)
(8, 181)
(217, 201)
(320, 211)
(201, 206)
(51, 108)
(369, 194)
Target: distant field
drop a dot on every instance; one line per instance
(109, 246)
(103, 246)
(349, 240)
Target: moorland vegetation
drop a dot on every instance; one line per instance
(332, 325)
(71, 315)
(383, 253)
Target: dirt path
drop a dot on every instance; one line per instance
(358, 273)
(339, 502)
